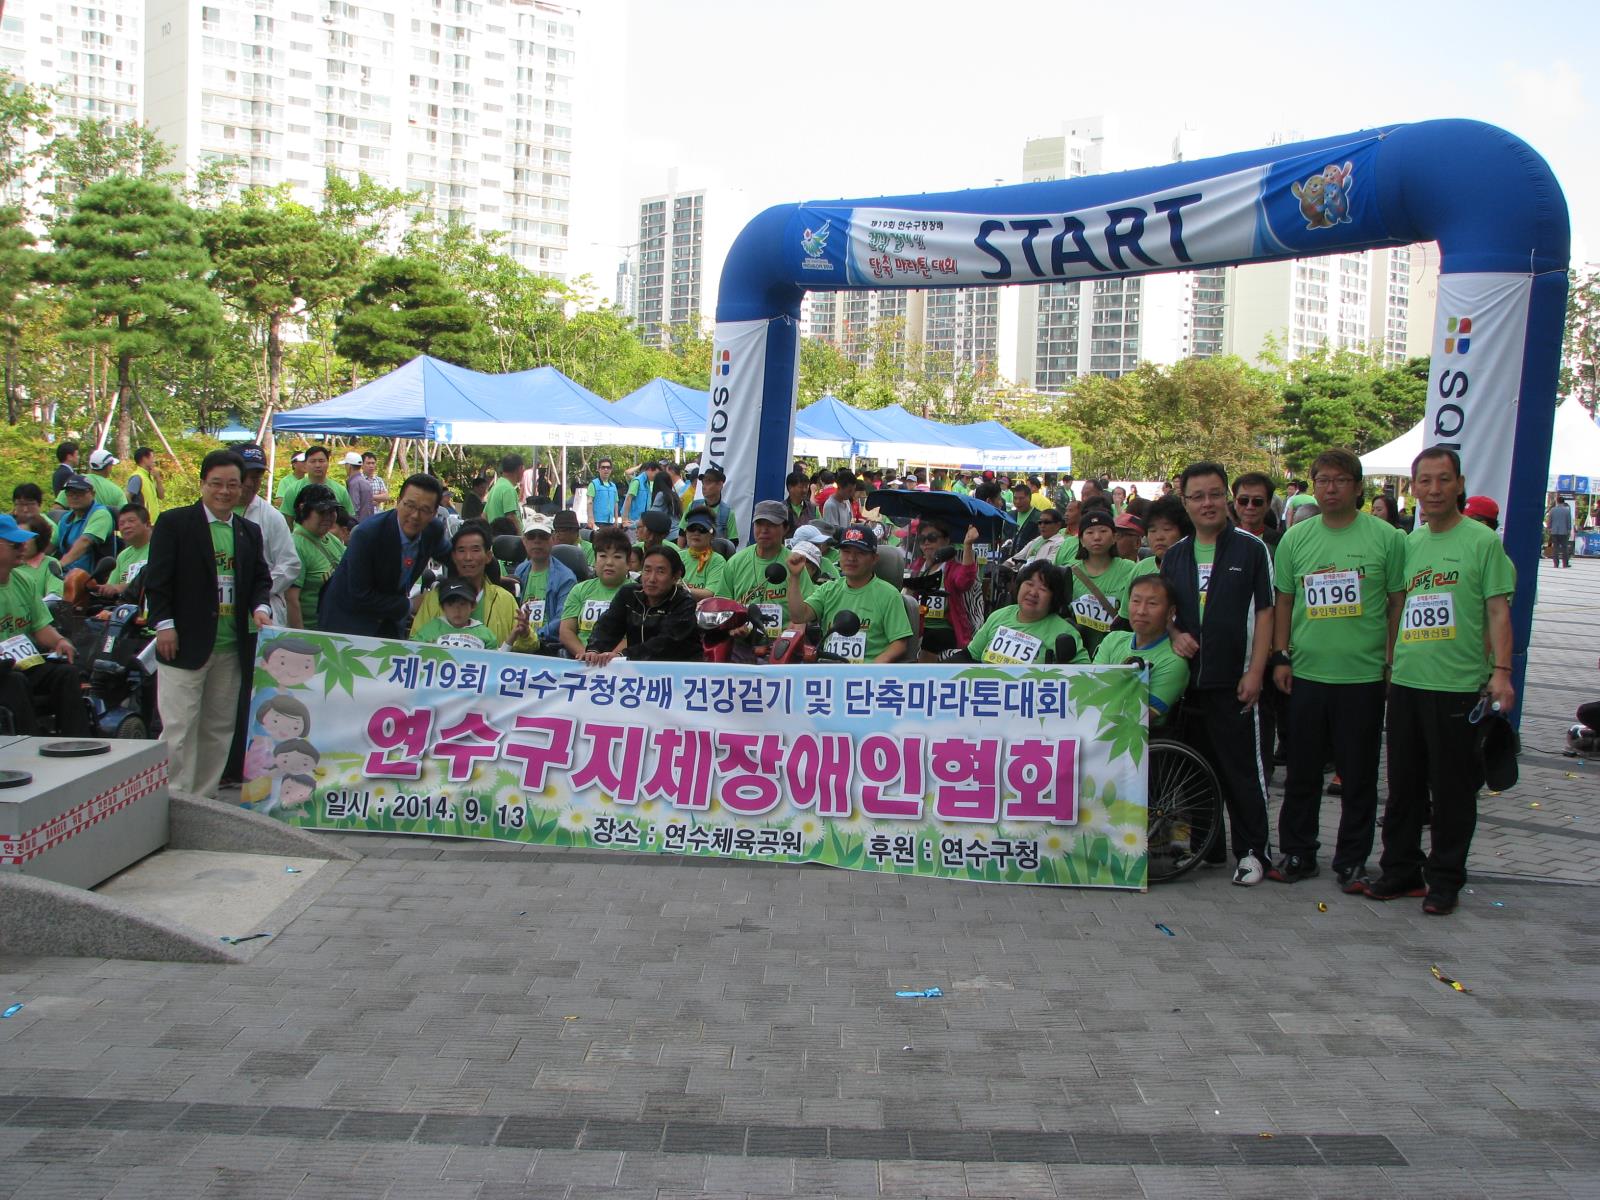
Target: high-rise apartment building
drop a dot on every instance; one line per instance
(1378, 300)
(466, 102)
(88, 53)
(684, 237)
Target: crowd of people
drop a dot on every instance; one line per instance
(1302, 628)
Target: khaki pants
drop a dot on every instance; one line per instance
(198, 710)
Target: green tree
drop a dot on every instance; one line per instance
(276, 261)
(407, 307)
(24, 113)
(132, 270)
(1580, 347)
(824, 370)
(96, 151)
(1358, 407)
(18, 265)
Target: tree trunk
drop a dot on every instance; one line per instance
(274, 359)
(125, 406)
(11, 380)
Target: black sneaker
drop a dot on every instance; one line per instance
(1439, 904)
(1335, 786)
(1292, 868)
(1352, 880)
(1387, 887)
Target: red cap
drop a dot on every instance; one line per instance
(1482, 506)
(1131, 523)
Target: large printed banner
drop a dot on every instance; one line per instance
(1296, 205)
(1480, 337)
(1001, 774)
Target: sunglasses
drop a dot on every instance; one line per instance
(1250, 501)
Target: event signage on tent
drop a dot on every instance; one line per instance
(434, 401)
(1490, 202)
(679, 413)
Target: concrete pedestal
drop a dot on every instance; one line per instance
(82, 820)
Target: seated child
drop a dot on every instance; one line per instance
(457, 626)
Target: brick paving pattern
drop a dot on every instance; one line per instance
(463, 1020)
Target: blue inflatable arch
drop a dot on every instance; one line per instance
(1485, 196)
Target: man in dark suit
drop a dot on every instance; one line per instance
(369, 591)
(206, 577)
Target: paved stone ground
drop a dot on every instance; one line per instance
(459, 1020)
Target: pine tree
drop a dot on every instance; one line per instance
(407, 307)
(132, 275)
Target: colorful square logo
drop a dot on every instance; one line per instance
(726, 364)
(1457, 335)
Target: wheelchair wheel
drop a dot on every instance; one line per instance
(1185, 809)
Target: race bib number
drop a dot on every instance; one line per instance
(937, 607)
(21, 651)
(224, 595)
(771, 616)
(850, 649)
(1091, 614)
(534, 611)
(1428, 617)
(460, 641)
(1012, 646)
(593, 610)
(1205, 577)
(1332, 594)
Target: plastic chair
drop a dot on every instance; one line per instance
(572, 557)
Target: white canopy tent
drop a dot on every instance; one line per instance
(1574, 448)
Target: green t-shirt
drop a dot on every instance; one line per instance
(502, 501)
(46, 577)
(100, 526)
(1297, 500)
(129, 563)
(1449, 576)
(1169, 674)
(586, 603)
(222, 550)
(1145, 566)
(318, 557)
(1092, 617)
(1204, 555)
(22, 614)
(879, 605)
(711, 577)
(1341, 580)
(293, 487)
(745, 580)
(1006, 638)
(1067, 552)
(474, 635)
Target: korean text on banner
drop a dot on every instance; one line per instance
(1001, 774)
(1479, 341)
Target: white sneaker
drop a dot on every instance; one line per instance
(1249, 872)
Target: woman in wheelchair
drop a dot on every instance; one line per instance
(1150, 604)
(1032, 630)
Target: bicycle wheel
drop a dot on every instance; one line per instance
(1185, 809)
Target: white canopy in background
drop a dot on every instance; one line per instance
(1574, 447)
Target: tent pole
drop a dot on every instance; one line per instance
(426, 457)
(272, 466)
(563, 485)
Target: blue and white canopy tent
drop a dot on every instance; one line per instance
(676, 411)
(435, 402)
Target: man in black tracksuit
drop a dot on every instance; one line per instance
(1223, 624)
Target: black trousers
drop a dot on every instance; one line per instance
(51, 686)
(1343, 721)
(1561, 549)
(1231, 742)
(1434, 751)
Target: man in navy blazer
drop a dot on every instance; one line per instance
(207, 586)
(369, 591)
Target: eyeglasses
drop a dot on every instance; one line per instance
(1205, 497)
(933, 537)
(605, 466)
(1049, 521)
(1250, 501)
(1332, 480)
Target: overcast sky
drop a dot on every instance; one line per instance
(836, 98)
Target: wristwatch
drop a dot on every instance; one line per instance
(1278, 658)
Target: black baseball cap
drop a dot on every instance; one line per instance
(1096, 516)
(859, 537)
(457, 589)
